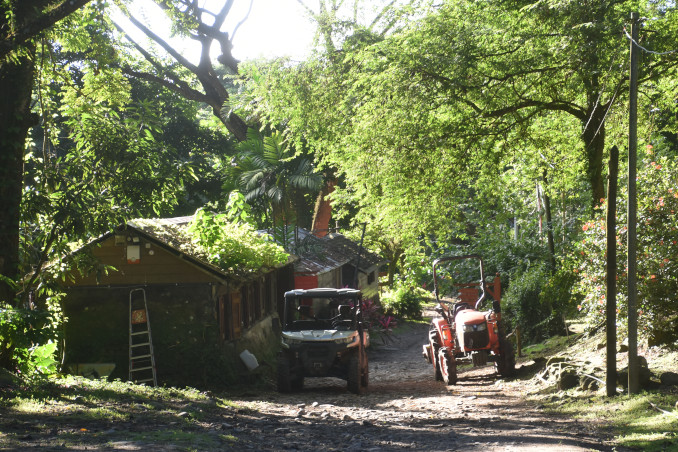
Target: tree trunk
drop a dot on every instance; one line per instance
(549, 227)
(594, 144)
(16, 84)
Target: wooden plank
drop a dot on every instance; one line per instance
(156, 266)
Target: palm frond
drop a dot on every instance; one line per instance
(306, 182)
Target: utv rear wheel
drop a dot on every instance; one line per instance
(284, 380)
(506, 361)
(448, 367)
(354, 374)
(298, 383)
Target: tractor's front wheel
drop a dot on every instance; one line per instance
(506, 361)
(448, 367)
(433, 350)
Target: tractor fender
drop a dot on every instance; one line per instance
(444, 332)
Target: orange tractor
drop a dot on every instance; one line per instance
(463, 332)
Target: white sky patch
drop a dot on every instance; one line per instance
(274, 28)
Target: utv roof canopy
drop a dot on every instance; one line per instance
(323, 292)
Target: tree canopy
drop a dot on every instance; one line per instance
(446, 125)
(423, 118)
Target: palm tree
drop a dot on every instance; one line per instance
(274, 179)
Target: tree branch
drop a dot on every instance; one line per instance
(162, 43)
(181, 88)
(567, 107)
(41, 23)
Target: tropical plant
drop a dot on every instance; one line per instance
(273, 179)
(404, 301)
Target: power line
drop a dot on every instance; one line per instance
(668, 52)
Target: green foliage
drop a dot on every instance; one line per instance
(420, 131)
(237, 209)
(273, 179)
(657, 235)
(93, 164)
(528, 304)
(558, 292)
(27, 340)
(404, 301)
(41, 359)
(233, 247)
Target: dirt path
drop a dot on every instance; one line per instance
(405, 409)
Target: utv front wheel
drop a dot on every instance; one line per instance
(354, 374)
(298, 383)
(284, 379)
(448, 367)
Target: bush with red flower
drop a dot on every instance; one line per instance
(657, 255)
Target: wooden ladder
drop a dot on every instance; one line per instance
(141, 357)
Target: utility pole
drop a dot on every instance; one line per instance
(611, 276)
(632, 207)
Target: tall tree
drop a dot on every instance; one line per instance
(308, 100)
(21, 22)
(204, 26)
(413, 119)
(24, 21)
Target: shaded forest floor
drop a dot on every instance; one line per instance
(404, 409)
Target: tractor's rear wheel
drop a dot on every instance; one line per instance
(506, 361)
(284, 379)
(448, 367)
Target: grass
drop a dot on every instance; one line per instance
(74, 412)
(631, 419)
(634, 422)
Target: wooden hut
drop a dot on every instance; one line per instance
(201, 316)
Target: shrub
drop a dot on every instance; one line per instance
(26, 339)
(374, 318)
(657, 246)
(532, 302)
(404, 301)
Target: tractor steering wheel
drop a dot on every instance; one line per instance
(460, 307)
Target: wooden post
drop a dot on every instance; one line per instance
(632, 211)
(611, 275)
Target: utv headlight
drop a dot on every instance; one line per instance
(345, 340)
(287, 341)
(476, 327)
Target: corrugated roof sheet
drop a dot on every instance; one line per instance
(320, 255)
